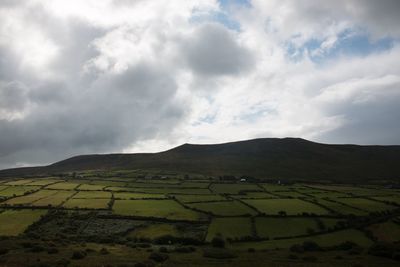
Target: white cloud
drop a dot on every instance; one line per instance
(117, 75)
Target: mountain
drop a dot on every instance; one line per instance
(269, 158)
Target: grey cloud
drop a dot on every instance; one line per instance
(76, 112)
(369, 118)
(13, 96)
(213, 50)
(114, 112)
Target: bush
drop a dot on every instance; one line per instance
(297, 248)
(104, 251)
(62, 262)
(218, 242)
(311, 246)
(310, 258)
(218, 253)
(387, 250)
(37, 248)
(163, 250)
(144, 264)
(78, 255)
(52, 250)
(158, 257)
(185, 249)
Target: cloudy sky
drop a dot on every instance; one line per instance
(100, 76)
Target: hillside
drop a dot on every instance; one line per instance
(271, 158)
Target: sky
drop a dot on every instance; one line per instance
(110, 76)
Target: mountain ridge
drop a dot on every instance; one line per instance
(264, 158)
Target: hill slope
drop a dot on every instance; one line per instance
(287, 158)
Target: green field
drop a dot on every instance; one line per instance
(230, 228)
(94, 187)
(386, 232)
(254, 195)
(63, 186)
(233, 188)
(365, 204)
(54, 200)
(93, 194)
(284, 227)
(391, 199)
(154, 208)
(14, 222)
(28, 199)
(150, 215)
(43, 182)
(290, 206)
(17, 190)
(19, 182)
(199, 198)
(127, 195)
(324, 240)
(87, 203)
(224, 208)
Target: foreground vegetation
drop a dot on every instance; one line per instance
(145, 218)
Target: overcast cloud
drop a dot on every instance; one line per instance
(101, 76)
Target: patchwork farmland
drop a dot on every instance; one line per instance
(174, 212)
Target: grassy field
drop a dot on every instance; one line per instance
(19, 182)
(94, 187)
(172, 213)
(168, 209)
(42, 182)
(340, 208)
(53, 200)
(93, 194)
(284, 227)
(233, 188)
(232, 228)
(199, 198)
(63, 186)
(154, 231)
(224, 208)
(87, 203)
(290, 206)
(392, 198)
(365, 204)
(324, 240)
(126, 195)
(14, 222)
(386, 232)
(17, 190)
(254, 195)
(28, 199)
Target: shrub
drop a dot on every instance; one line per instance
(218, 242)
(144, 264)
(104, 251)
(78, 255)
(62, 262)
(297, 248)
(218, 253)
(163, 250)
(311, 246)
(158, 257)
(185, 249)
(310, 258)
(37, 248)
(52, 250)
